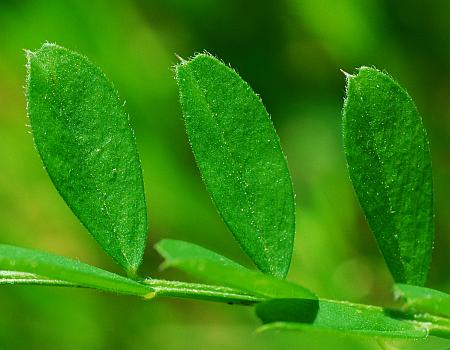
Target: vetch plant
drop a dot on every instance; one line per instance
(82, 133)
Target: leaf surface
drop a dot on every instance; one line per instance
(336, 317)
(240, 159)
(420, 300)
(83, 136)
(22, 263)
(389, 163)
(210, 266)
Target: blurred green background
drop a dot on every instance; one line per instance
(290, 51)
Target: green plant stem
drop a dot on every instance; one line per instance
(436, 325)
(207, 292)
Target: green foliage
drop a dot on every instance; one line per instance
(87, 146)
(389, 164)
(421, 300)
(240, 159)
(337, 317)
(212, 267)
(66, 270)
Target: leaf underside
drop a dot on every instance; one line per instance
(29, 266)
(83, 136)
(389, 163)
(240, 159)
(212, 267)
(336, 317)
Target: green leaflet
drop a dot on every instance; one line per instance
(240, 159)
(64, 270)
(332, 316)
(210, 266)
(82, 133)
(389, 164)
(420, 300)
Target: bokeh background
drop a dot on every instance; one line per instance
(290, 51)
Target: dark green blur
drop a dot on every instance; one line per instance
(290, 52)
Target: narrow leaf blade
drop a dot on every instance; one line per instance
(240, 159)
(389, 164)
(423, 300)
(336, 317)
(64, 270)
(215, 268)
(82, 134)
(16, 277)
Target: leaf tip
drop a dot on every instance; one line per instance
(181, 59)
(347, 75)
(29, 54)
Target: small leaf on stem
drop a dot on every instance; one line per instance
(390, 168)
(210, 266)
(83, 136)
(240, 159)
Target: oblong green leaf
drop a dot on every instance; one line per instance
(420, 300)
(215, 268)
(54, 267)
(82, 134)
(389, 164)
(240, 159)
(336, 317)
